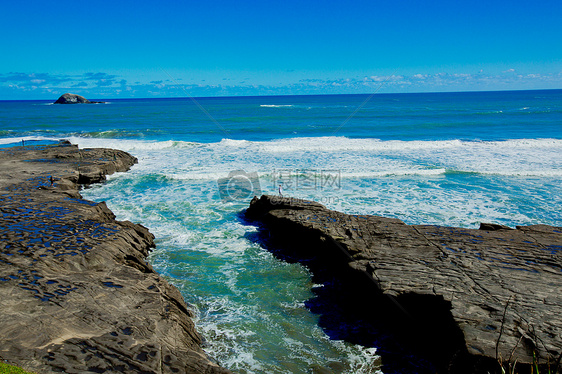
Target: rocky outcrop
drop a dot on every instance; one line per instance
(468, 297)
(76, 292)
(69, 98)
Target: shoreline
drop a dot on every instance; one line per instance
(77, 292)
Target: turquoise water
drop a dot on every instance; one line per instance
(447, 159)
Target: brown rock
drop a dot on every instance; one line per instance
(76, 292)
(474, 296)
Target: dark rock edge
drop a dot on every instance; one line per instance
(69, 98)
(77, 293)
(384, 272)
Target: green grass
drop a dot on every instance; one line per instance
(9, 369)
(535, 368)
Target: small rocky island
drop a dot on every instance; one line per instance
(69, 98)
(76, 292)
(467, 298)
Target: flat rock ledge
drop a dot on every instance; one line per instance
(76, 293)
(473, 296)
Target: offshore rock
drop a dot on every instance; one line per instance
(471, 297)
(69, 98)
(76, 292)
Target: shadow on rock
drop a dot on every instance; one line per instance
(347, 309)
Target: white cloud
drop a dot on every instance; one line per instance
(102, 85)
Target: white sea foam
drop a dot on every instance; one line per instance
(388, 173)
(371, 179)
(338, 144)
(354, 158)
(130, 145)
(234, 143)
(203, 245)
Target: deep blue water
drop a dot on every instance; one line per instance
(433, 116)
(447, 159)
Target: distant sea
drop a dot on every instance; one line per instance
(438, 158)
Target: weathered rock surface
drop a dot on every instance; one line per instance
(69, 98)
(76, 294)
(500, 288)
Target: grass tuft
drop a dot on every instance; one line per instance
(9, 369)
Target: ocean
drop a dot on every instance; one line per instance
(453, 159)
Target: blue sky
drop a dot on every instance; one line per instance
(126, 49)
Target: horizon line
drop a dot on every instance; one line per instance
(299, 95)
